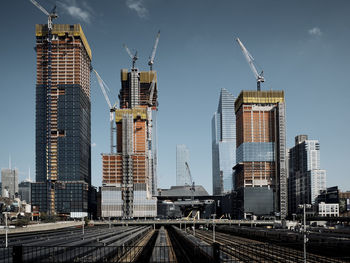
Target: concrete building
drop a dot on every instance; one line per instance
(24, 191)
(306, 180)
(223, 144)
(63, 146)
(328, 210)
(182, 157)
(9, 180)
(261, 153)
(129, 175)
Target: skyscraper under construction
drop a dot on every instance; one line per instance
(63, 148)
(261, 179)
(129, 175)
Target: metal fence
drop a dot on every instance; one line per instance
(202, 254)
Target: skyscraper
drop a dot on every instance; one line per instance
(261, 179)
(129, 176)
(224, 144)
(182, 173)
(63, 147)
(306, 179)
(9, 180)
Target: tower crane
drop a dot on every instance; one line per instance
(50, 16)
(133, 57)
(193, 189)
(112, 109)
(259, 76)
(153, 55)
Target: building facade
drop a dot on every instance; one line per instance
(129, 175)
(9, 180)
(306, 180)
(224, 144)
(63, 124)
(261, 153)
(182, 173)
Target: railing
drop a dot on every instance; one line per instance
(216, 253)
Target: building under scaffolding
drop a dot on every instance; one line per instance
(129, 175)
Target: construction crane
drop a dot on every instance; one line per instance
(259, 76)
(133, 57)
(112, 109)
(193, 189)
(153, 55)
(50, 16)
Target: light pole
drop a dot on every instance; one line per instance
(213, 215)
(6, 230)
(304, 206)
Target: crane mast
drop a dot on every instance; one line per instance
(259, 76)
(49, 176)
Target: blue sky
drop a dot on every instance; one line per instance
(302, 46)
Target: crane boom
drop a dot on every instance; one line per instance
(250, 60)
(151, 59)
(133, 57)
(40, 7)
(189, 171)
(102, 85)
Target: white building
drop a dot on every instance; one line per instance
(9, 179)
(328, 210)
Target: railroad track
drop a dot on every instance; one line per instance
(253, 251)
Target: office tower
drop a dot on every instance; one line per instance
(306, 179)
(63, 147)
(182, 172)
(224, 144)
(261, 179)
(24, 191)
(9, 180)
(129, 175)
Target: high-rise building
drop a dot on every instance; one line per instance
(9, 180)
(261, 179)
(306, 180)
(63, 146)
(182, 173)
(224, 144)
(24, 191)
(129, 175)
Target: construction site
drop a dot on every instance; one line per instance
(129, 177)
(63, 147)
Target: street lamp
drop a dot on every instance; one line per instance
(304, 206)
(213, 215)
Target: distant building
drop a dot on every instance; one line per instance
(261, 172)
(24, 191)
(182, 157)
(306, 180)
(9, 180)
(224, 144)
(328, 210)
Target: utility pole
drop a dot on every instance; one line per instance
(213, 215)
(6, 230)
(304, 206)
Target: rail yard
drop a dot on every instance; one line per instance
(146, 243)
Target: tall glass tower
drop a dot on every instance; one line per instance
(224, 144)
(182, 156)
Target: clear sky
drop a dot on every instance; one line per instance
(302, 46)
